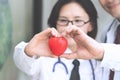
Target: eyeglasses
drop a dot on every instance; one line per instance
(79, 23)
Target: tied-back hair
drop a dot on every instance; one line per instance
(87, 5)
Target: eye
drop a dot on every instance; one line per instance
(78, 21)
(63, 20)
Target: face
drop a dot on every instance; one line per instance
(112, 7)
(73, 12)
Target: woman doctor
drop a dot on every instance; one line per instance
(35, 58)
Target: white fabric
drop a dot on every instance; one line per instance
(41, 68)
(111, 59)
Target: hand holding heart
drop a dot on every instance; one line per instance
(58, 45)
(38, 45)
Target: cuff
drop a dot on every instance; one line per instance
(111, 58)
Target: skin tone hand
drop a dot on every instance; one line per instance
(38, 45)
(87, 48)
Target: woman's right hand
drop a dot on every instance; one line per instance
(38, 45)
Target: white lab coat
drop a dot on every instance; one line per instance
(41, 68)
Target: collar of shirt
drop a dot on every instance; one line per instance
(111, 32)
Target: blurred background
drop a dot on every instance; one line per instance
(19, 21)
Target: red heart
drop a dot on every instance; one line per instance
(57, 45)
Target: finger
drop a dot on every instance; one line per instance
(45, 34)
(48, 32)
(54, 32)
(72, 31)
(69, 56)
(53, 56)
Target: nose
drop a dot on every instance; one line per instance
(70, 23)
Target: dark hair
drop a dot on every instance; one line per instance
(87, 6)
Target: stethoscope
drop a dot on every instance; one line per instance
(60, 62)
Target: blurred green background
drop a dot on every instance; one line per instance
(5, 31)
(16, 23)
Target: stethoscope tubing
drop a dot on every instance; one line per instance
(92, 68)
(59, 61)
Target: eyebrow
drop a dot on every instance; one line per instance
(66, 17)
(62, 17)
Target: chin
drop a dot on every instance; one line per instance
(116, 15)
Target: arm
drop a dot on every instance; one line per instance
(88, 48)
(38, 46)
(111, 58)
(24, 62)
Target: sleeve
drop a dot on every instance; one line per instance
(25, 63)
(111, 58)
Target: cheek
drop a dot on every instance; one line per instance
(87, 28)
(84, 29)
(103, 4)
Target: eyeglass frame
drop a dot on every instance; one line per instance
(72, 21)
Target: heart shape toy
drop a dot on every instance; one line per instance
(57, 45)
